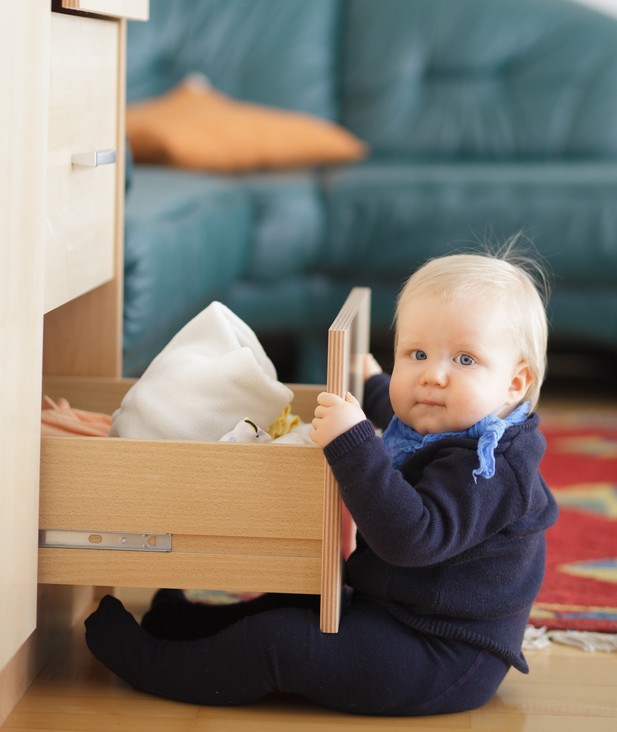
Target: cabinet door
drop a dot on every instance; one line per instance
(24, 69)
(83, 124)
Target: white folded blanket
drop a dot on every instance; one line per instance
(211, 375)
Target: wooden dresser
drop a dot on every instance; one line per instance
(62, 191)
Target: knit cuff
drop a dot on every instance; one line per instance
(348, 441)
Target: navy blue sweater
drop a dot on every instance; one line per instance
(446, 555)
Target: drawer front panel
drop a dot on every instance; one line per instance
(83, 119)
(130, 9)
(181, 487)
(241, 517)
(267, 571)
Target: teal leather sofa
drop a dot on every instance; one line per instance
(483, 118)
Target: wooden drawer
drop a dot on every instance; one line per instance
(83, 119)
(241, 517)
(246, 517)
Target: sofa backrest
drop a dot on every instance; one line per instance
(480, 78)
(413, 78)
(277, 52)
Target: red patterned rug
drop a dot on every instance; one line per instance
(580, 466)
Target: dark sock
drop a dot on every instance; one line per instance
(172, 617)
(115, 638)
(166, 595)
(188, 671)
(154, 666)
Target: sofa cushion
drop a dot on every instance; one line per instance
(196, 127)
(480, 78)
(289, 224)
(187, 237)
(384, 219)
(282, 53)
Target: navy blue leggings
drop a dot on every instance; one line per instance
(374, 665)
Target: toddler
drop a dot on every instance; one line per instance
(451, 513)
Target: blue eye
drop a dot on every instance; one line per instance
(464, 359)
(419, 355)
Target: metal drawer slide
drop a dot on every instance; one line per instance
(114, 540)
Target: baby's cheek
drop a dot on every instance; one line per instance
(476, 406)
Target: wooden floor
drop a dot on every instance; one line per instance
(567, 690)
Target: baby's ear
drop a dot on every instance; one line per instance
(521, 380)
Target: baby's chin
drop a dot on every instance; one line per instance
(431, 420)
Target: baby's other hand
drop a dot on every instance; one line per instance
(371, 367)
(333, 416)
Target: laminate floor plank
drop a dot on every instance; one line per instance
(567, 690)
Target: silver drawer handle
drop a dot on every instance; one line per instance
(94, 158)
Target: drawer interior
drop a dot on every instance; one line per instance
(241, 517)
(104, 394)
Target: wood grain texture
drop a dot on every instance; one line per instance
(347, 344)
(24, 59)
(183, 487)
(81, 201)
(84, 336)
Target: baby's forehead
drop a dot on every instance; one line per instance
(461, 318)
(490, 300)
(461, 290)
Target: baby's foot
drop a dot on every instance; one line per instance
(170, 616)
(115, 638)
(164, 596)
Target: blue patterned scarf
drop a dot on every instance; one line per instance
(402, 440)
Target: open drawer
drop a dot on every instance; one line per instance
(243, 517)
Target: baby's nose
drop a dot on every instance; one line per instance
(436, 373)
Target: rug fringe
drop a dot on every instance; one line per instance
(539, 638)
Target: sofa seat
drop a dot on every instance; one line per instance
(187, 237)
(190, 236)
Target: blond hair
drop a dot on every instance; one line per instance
(515, 280)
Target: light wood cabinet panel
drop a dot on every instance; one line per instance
(84, 66)
(81, 198)
(129, 9)
(24, 32)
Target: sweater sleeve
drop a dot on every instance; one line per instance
(377, 406)
(428, 513)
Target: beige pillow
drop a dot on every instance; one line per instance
(193, 126)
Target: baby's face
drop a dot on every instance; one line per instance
(455, 363)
